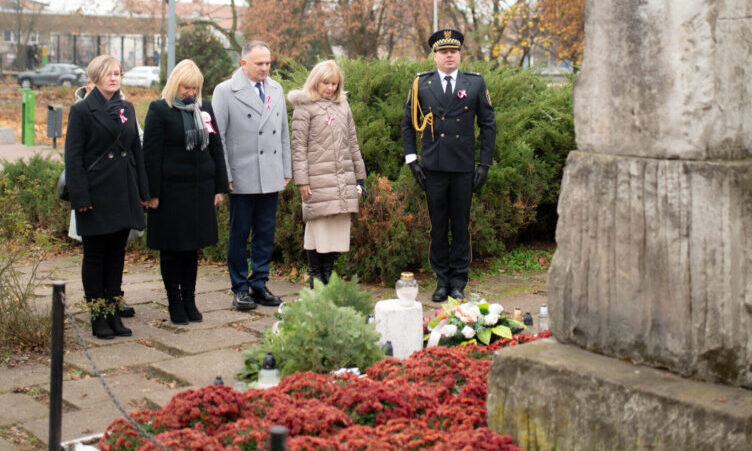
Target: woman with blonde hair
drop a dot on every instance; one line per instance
(327, 166)
(106, 179)
(187, 179)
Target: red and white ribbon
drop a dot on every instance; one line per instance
(268, 102)
(461, 93)
(207, 120)
(123, 119)
(330, 119)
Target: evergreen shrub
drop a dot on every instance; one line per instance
(28, 199)
(325, 330)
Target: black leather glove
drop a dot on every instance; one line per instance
(481, 173)
(420, 177)
(363, 192)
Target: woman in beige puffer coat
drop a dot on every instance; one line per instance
(327, 166)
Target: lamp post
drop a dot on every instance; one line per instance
(171, 38)
(435, 15)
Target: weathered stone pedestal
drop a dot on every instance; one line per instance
(654, 243)
(553, 396)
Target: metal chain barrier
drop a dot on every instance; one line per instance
(106, 387)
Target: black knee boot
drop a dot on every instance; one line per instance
(314, 266)
(100, 327)
(189, 262)
(171, 276)
(175, 308)
(327, 265)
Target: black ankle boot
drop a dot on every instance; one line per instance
(176, 309)
(100, 328)
(191, 312)
(116, 324)
(314, 267)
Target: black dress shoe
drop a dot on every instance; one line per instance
(265, 297)
(242, 301)
(126, 311)
(456, 293)
(440, 295)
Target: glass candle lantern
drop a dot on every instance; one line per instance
(407, 289)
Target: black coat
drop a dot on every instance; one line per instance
(184, 181)
(116, 185)
(451, 146)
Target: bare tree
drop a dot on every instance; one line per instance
(25, 14)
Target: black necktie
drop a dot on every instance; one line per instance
(448, 90)
(260, 88)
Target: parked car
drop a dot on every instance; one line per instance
(146, 76)
(53, 74)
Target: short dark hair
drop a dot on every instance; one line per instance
(250, 45)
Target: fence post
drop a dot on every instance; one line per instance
(56, 365)
(278, 438)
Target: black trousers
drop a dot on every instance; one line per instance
(449, 195)
(179, 270)
(102, 267)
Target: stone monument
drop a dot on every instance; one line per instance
(654, 242)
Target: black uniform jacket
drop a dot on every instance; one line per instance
(184, 181)
(116, 185)
(451, 146)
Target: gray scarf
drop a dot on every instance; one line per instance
(193, 124)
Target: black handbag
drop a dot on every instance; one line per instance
(62, 187)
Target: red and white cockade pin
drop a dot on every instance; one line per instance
(207, 120)
(268, 102)
(330, 119)
(461, 93)
(123, 119)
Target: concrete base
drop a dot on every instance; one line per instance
(401, 325)
(7, 135)
(553, 396)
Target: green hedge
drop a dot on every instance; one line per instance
(535, 131)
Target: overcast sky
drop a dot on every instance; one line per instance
(97, 6)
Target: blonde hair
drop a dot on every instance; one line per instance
(325, 71)
(185, 73)
(100, 66)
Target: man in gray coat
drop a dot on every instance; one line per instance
(252, 118)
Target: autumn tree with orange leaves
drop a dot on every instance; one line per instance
(294, 28)
(565, 21)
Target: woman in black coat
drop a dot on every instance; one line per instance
(187, 179)
(106, 178)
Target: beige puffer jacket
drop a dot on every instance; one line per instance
(325, 155)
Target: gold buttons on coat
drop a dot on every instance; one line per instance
(442, 135)
(110, 155)
(465, 108)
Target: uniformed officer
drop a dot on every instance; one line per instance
(443, 105)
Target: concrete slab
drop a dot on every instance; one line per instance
(24, 376)
(7, 446)
(121, 354)
(202, 340)
(547, 395)
(84, 393)
(19, 408)
(200, 370)
(218, 318)
(77, 424)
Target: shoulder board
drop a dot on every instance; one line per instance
(420, 74)
(472, 73)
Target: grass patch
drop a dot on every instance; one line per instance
(521, 260)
